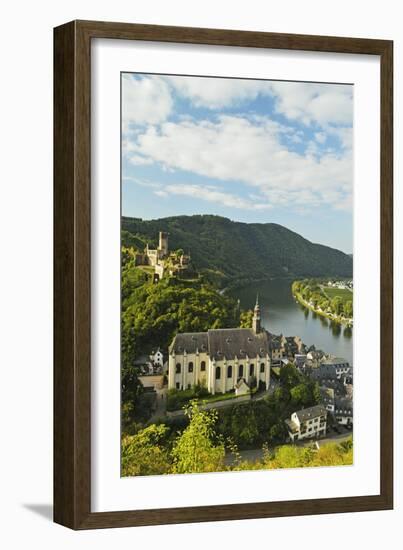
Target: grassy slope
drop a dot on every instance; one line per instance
(345, 294)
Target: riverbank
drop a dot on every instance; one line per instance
(331, 316)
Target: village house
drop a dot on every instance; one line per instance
(343, 411)
(157, 358)
(292, 345)
(341, 366)
(327, 398)
(300, 360)
(276, 349)
(220, 358)
(307, 423)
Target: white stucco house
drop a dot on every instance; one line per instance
(157, 358)
(307, 423)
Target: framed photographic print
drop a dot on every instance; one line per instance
(223, 275)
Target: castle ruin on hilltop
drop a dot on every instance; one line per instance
(162, 260)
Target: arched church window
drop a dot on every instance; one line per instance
(229, 371)
(251, 370)
(262, 365)
(218, 373)
(203, 366)
(190, 367)
(178, 368)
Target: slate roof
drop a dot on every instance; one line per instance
(326, 394)
(237, 342)
(335, 361)
(189, 342)
(310, 412)
(343, 406)
(300, 359)
(223, 343)
(327, 372)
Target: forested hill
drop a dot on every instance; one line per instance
(233, 251)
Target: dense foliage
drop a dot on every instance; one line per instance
(231, 252)
(152, 314)
(200, 448)
(336, 301)
(257, 422)
(144, 453)
(197, 448)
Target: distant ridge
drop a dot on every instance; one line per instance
(235, 251)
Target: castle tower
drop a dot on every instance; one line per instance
(163, 243)
(256, 317)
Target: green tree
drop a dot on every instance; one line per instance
(132, 389)
(316, 298)
(289, 376)
(144, 453)
(337, 305)
(348, 308)
(300, 395)
(324, 304)
(246, 319)
(197, 449)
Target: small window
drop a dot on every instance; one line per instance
(218, 373)
(262, 365)
(190, 367)
(178, 386)
(229, 371)
(240, 371)
(203, 366)
(178, 368)
(251, 370)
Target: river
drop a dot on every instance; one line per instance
(281, 314)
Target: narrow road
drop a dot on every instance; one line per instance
(161, 405)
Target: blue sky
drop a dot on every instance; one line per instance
(250, 150)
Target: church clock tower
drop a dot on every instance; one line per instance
(256, 317)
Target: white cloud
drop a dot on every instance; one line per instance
(145, 100)
(161, 193)
(344, 135)
(306, 102)
(149, 99)
(237, 149)
(320, 137)
(137, 160)
(212, 194)
(321, 103)
(215, 93)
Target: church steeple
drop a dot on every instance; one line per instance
(256, 317)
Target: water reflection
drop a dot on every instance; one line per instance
(348, 332)
(324, 321)
(335, 328)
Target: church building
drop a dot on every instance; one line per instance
(220, 358)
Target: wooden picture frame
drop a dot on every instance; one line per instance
(72, 271)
